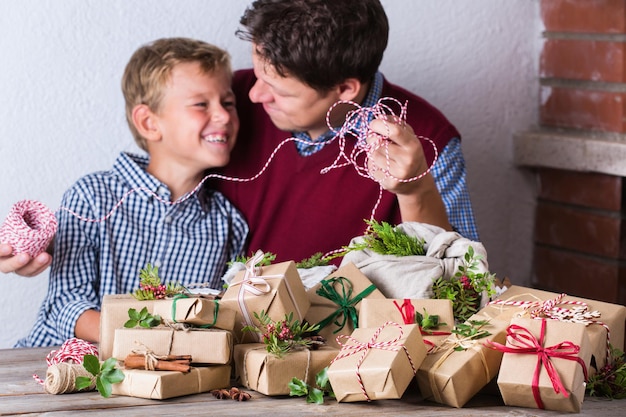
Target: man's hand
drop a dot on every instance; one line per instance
(22, 263)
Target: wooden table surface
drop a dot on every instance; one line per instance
(20, 394)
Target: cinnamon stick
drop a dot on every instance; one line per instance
(134, 361)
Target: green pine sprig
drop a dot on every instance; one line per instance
(299, 388)
(105, 375)
(317, 259)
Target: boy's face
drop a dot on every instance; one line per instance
(197, 118)
(292, 105)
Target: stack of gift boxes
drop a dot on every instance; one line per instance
(539, 347)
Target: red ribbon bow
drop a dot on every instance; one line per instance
(521, 340)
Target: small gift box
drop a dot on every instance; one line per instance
(160, 385)
(544, 364)
(605, 321)
(376, 363)
(269, 374)
(375, 313)
(275, 289)
(460, 367)
(335, 302)
(197, 311)
(206, 346)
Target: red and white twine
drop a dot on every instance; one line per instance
(31, 226)
(71, 351)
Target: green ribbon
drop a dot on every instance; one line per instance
(203, 326)
(347, 310)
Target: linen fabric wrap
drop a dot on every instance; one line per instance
(160, 385)
(268, 374)
(280, 292)
(412, 276)
(206, 346)
(517, 370)
(322, 307)
(385, 373)
(611, 315)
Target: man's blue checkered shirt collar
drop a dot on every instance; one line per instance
(306, 149)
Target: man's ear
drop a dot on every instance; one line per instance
(351, 89)
(145, 122)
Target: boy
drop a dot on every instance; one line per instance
(181, 111)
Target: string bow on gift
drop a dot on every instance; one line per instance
(364, 347)
(521, 340)
(347, 310)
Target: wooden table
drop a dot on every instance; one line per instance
(20, 394)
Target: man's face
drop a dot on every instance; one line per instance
(292, 105)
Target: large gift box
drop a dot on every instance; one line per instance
(197, 311)
(275, 289)
(459, 368)
(268, 374)
(376, 312)
(160, 385)
(544, 365)
(526, 302)
(376, 363)
(206, 346)
(336, 301)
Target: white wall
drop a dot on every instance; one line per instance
(62, 115)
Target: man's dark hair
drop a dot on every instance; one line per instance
(320, 42)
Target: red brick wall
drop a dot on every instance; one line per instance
(580, 227)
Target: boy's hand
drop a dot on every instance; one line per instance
(22, 263)
(405, 158)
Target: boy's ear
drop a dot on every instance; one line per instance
(350, 89)
(145, 122)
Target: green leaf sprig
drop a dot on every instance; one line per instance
(610, 381)
(299, 388)
(427, 321)
(142, 319)
(282, 336)
(470, 330)
(105, 375)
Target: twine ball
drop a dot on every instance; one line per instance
(29, 227)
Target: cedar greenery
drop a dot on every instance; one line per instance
(151, 287)
(105, 375)
(610, 381)
(316, 259)
(299, 388)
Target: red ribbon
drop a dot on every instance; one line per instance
(407, 311)
(521, 340)
(358, 346)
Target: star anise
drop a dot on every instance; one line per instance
(239, 395)
(221, 394)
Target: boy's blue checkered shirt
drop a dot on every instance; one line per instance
(449, 171)
(190, 242)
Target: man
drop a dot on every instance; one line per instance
(307, 55)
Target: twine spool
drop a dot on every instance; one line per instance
(61, 378)
(29, 227)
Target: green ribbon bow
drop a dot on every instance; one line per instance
(347, 310)
(204, 326)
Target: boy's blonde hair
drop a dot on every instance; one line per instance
(150, 67)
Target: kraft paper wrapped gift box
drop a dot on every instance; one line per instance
(518, 370)
(206, 346)
(611, 315)
(160, 385)
(376, 312)
(348, 287)
(453, 377)
(275, 289)
(197, 311)
(391, 355)
(264, 372)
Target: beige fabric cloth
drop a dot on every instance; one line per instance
(412, 276)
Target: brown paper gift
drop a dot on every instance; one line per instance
(388, 358)
(348, 286)
(452, 377)
(159, 385)
(113, 315)
(268, 374)
(519, 370)
(197, 311)
(275, 289)
(210, 346)
(612, 316)
(375, 313)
